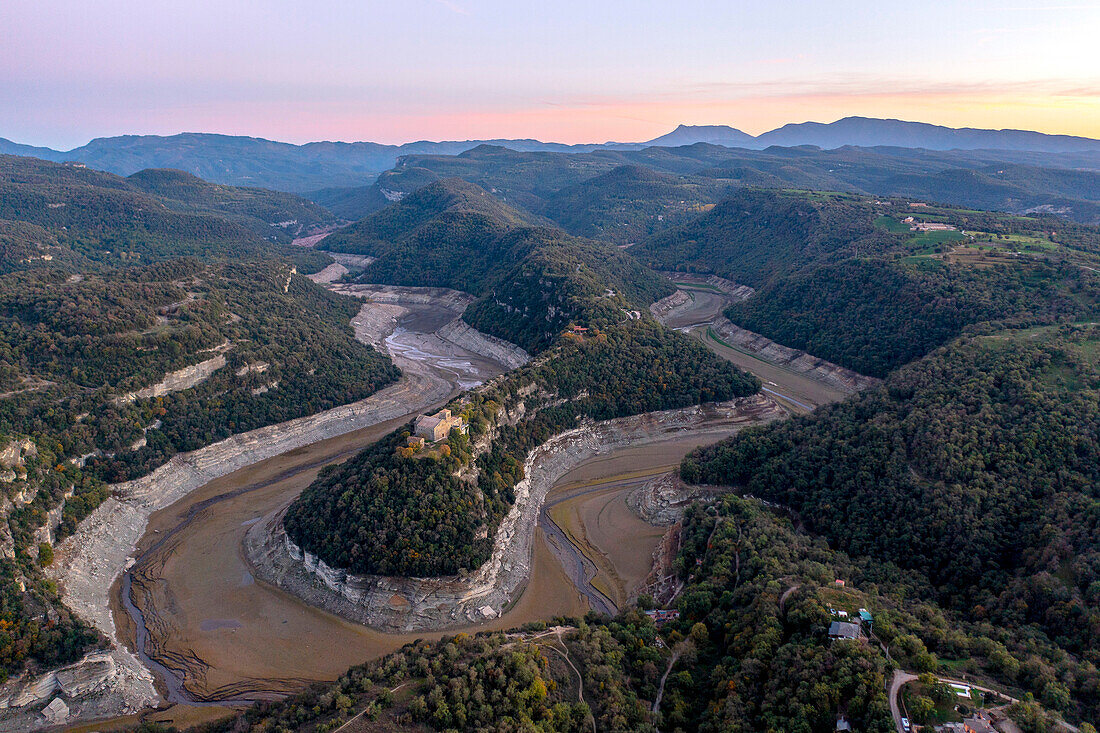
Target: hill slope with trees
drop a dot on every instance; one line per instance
(977, 469)
(97, 308)
(531, 281)
(845, 279)
(74, 216)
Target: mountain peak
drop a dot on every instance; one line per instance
(712, 134)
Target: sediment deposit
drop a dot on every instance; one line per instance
(331, 273)
(734, 290)
(462, 334)
(421, 604)
(95, 556)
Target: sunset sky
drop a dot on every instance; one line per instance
(568, 70)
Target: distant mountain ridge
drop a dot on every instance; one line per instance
(871, 132)
(249, 161)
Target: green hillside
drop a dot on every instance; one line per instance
(271, 214)
(88, 218)
(532, 281)
(628, 203)
(976, 468)
(844, 278)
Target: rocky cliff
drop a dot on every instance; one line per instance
(421, 604)
(793, 359)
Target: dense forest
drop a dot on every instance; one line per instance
(629, 203)
(1016, 182)
(394, 511)
(841, 280)
(68, 214)
(97, 307)
(976, 468)
(532, 281)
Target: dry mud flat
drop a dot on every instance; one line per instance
(421, 604)
(602, 539)
(91, 561)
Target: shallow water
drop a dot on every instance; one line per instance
(420, 347)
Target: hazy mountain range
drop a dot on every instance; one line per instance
(248, 161)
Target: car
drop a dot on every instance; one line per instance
(905, 723)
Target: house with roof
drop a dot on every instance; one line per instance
(434, 428)
(844, 630)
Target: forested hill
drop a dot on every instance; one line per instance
(757, 236)
(71, 215)
(629, 203)
(978, 468)
(392, 510)
(117, 353)
(532, 281)
(1011, 181)
(451, 202)
(269, 213)
(845, 278)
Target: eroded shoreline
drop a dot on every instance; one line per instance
(432, 604)
(91, 561)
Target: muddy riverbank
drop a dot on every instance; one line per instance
(799, 380)
(428, 604)
(106, 546)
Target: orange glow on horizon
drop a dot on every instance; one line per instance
(634, 121)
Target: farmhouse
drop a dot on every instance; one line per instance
(662, 616)
(927, 226)
(844, 630)
(436, 427)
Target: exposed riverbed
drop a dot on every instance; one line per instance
(189, 595)
(214, 633)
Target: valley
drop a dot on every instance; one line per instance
(216, 634)
(680, 432)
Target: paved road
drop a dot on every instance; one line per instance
(900, 679)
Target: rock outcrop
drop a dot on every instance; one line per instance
(99, 685)
(186, 378)
(661, 501)
(421, 604)
(664, 306)
(797, 361)
(464, 335)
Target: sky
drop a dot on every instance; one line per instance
(567, 70)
